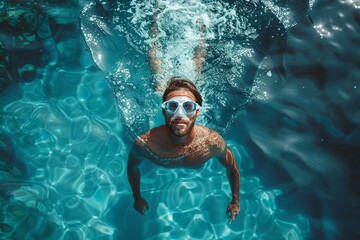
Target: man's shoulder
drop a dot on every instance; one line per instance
(208, 131)
(149, 135)
(214, 140)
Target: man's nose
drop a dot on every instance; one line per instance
(180, 113)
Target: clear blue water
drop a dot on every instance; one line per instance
(280, 82)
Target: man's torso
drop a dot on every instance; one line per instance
(155, 145)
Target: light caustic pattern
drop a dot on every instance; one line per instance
(75, 160)
(188, 204)
(54, 188)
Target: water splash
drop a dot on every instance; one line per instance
(236, 37)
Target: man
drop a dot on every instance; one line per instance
(181, 143)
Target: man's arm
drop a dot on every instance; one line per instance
(133, 172)
(228, 161)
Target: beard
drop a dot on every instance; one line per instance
(182, 130)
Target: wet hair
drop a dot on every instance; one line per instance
(178, 83)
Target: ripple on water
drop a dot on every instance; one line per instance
(101, 227)
(74, 157)
(183, 197)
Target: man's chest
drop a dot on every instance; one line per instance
(194, 155)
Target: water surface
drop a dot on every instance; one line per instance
(76, 88)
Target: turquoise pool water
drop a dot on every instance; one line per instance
(280, 82)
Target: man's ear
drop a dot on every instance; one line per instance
(197, 112)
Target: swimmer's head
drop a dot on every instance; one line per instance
(189, 89)
(181, 106)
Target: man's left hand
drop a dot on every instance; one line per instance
(232, 211)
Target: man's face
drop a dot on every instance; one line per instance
(180, 123)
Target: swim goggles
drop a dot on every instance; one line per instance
(172, 106)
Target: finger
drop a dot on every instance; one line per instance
(146, 209)
(228, 212)
(142, 212)
(229, 215)
(232, 218)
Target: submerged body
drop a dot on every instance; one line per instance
(181, 143)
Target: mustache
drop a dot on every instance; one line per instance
(179, 121)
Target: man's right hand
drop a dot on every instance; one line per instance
(141, 205)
